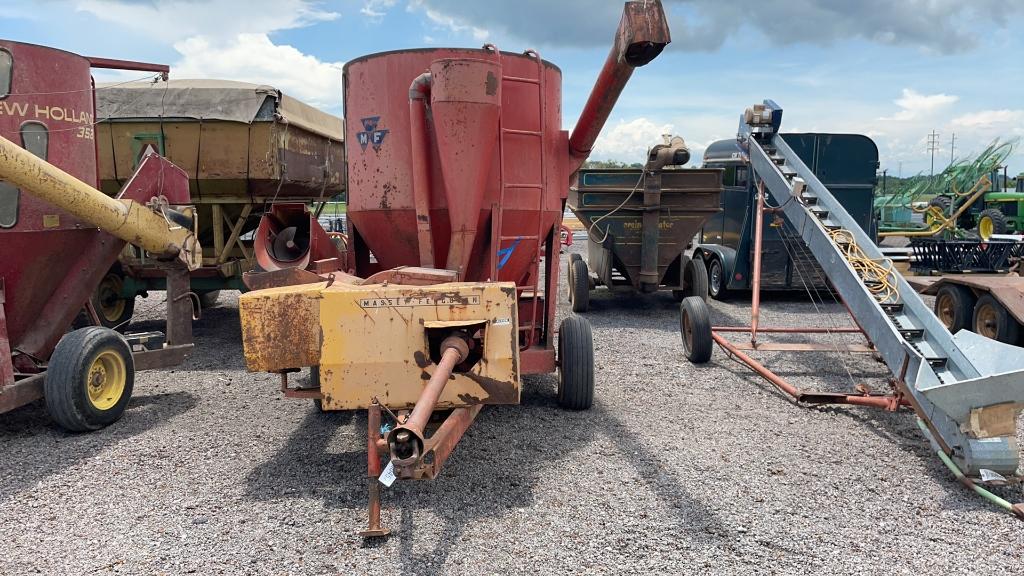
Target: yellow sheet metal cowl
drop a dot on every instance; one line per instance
(375, 341)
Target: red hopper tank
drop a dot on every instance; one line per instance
(457, 159)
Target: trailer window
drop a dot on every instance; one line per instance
(35, 138)
(6, 65)
(8, 205)
(741, 176)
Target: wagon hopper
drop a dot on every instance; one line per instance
(458, 171)
(639, 223)
(244, 146)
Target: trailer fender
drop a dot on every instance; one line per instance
(724, 253)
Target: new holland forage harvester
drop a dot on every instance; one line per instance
(59, 235)
(458, 171)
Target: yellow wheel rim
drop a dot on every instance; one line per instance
(987, 323)
(112, 305)
(944, 307)
(986, 227)
(106, 380)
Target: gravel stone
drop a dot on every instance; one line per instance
(677, 469)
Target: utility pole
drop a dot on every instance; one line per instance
(933, 146)
(952, 148)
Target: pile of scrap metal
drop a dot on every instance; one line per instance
(457, 191)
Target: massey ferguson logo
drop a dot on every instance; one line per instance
(414, 301)
(371, 134)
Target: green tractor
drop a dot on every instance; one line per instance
(998, 211)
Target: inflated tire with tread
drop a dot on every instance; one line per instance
(992, 221)
(954, 306)
(993, 320)
(716, 279)
(696, 275)
(113, 310)
(575, 364)
(79, 360)
(695, 329)
(579, 285)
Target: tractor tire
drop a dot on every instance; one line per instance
(113, 310)
(579, 285)
(695, 329)
(993, 320)
(89, 380)
(954, 307)
(716, 279)
(575, 364)
(574, 257)
(209, 299)
(992, 221)
(943, 203)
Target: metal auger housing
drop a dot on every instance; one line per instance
(967, 389)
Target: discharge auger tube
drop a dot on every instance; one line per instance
(129, 221)
(406, 440)
(641, 36)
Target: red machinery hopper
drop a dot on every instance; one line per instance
(458, 173)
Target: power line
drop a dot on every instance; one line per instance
(933, 146)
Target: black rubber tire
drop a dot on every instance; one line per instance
(574, 257)
(695, 329)
(575, 364)
(579, 285)
(103, 300)
(696, 276)
(1000, 225)
(954, 307)
(314, 382)
(1006, 328)
(943, 203)
(716, 289)
(67, 379)
(209, 299)
(568, 279)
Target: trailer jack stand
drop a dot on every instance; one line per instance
(373, 470)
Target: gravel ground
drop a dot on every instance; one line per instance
(676, 469)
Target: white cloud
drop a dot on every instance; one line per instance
(916, 106)
(254, 58)
(943, 26)
(629, 141)
(1002, 119)
(377, 9)
(447, 22)
(225, 40)
(171, 20)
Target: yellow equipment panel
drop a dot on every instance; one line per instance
(375, 341)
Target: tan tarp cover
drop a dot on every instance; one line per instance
(209, 100)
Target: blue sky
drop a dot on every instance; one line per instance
(894, 70)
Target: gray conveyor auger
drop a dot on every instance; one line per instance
(967, 389)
